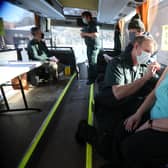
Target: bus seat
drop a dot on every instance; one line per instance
(101, 63)
(65, 55)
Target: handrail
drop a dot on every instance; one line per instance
(26, 157)
(90, 122)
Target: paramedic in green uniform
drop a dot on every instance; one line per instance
(125, 83)
(90, 34)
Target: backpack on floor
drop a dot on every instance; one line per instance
(86, 133)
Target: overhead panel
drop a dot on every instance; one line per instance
(82, 4)
(108, 9)
(40, 7)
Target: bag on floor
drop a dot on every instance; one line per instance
(86, 133)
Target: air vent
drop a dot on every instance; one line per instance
(121, 14)
(139, 1)
(135, 3)
(132, 4)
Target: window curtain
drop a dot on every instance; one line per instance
(121, 24)
(143, 11)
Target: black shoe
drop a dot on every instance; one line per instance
(86, 134)
(89, 82)
(81, 133)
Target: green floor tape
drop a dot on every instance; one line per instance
(90, 122)
(43, 127)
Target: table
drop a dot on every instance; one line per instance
(7, 73)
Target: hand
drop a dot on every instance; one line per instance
(143, 127)
(54, 59)
(132, 122)
(152, 68)
(82, 34)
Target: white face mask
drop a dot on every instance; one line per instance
(143, 58)
(84, 20)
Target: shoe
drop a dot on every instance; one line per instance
(89, 82)
(86, 134)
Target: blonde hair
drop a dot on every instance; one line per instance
(140, 39)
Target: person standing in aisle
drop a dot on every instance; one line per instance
(91, 36)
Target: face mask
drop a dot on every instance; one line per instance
(84, 21)
(132, 36)
(143, 58)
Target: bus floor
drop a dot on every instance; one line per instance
(18, 130)
(58, 147)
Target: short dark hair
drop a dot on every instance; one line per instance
(136, 23)
(34, 30)
(87, 14)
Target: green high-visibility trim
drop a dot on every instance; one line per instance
(43, 127)
(90, 122)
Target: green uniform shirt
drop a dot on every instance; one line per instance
(37, 50)
(121, 71)
(91, 28)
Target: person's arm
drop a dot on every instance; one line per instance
(92, 31)
(133, 121)
(157, 124)
(42, 57)
(92, 35)
(122, 91)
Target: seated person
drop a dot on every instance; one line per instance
(135, 28)
(142, 141)
(37, 50)
(124, 80)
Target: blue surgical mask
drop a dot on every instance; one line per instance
(84, 20)
(132, 36)
(143, 58)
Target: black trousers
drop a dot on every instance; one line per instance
(92, 54)
(109, 112)
(144, 149)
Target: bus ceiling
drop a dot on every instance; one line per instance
(106, 11)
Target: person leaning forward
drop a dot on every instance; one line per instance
(124, 83)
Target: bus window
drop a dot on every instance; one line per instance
(17, 24)
(69, 37)
(107, 38)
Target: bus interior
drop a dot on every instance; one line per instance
(38, 122)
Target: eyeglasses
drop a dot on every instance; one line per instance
(147, 34)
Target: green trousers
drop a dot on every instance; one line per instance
(92, 54)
